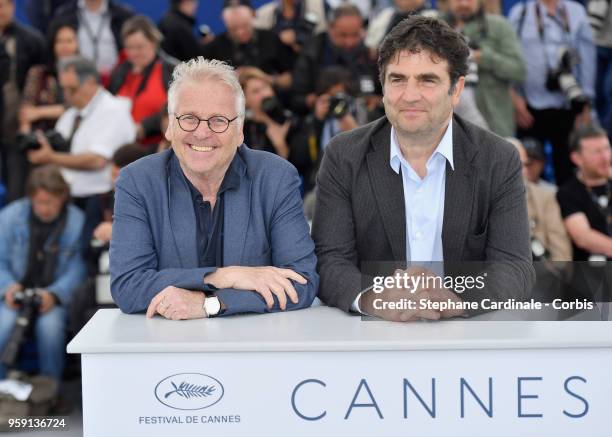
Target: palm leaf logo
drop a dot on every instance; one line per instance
(189, 391)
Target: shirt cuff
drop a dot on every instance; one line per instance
(355, 307)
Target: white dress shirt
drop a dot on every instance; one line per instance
(96, 39)
(106, 125)
(423, 201)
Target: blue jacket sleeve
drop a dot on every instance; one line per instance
(6, 276)
(588, 56)
(292, 248)
(135, 278)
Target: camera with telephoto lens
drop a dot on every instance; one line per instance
(562, 79)
(471, 78)
(597, 11)
(274, 109)
(29, 302)
(339, 105)
(27, 142)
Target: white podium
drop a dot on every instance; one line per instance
(320, 372)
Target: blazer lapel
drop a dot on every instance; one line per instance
(459, 195)
(182, 216)
(388, 192)
(236, 215)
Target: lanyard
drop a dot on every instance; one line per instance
(95, 38)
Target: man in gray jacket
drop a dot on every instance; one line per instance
(420, 185)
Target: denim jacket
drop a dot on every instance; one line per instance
(14, 247)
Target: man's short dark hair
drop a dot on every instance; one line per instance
(332, 76)
(48, 178)
(127, 154)
(417, 33)
(589, 130)
(345, 10)
(83, 67)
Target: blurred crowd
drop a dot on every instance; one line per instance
(84, 93)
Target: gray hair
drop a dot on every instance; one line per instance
(83, 67)
(200, 69)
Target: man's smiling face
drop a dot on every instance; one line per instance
(203, 152)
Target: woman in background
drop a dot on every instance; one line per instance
(143, 77)
(43, 102)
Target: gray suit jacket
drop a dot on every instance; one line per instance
(360, 217)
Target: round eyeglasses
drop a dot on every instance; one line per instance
(217, 123)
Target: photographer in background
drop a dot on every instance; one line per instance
(334, 112)
(267, 122)
(242, 45)
(39, 249)
(559, 87)
(496, 61)
(96, 124)
(343, 46)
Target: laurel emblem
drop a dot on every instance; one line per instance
(189, 391)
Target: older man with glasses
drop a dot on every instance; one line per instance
(210, 227)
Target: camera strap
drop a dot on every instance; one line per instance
(563, 24)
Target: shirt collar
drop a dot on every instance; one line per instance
(544, 9)
(88, 109)
(103, 9)
(445, 148)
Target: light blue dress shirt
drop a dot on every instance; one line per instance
(424, 198)
(542, 54)
(423, 201)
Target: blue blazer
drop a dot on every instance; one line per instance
(154, 232)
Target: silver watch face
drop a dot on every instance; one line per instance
(212, 306)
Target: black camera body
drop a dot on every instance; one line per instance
(562, 79)
(471, 78)
(273, 108)
(339, 105)
(27, 142)
(29, 302)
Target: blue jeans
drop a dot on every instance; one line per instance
(50, 337)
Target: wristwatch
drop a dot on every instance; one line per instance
(212, 306)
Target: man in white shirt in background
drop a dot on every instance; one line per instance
(96, 125)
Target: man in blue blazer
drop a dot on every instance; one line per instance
(209, 227)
